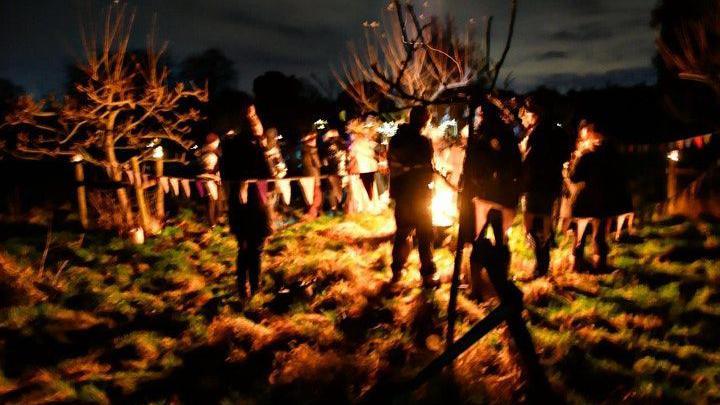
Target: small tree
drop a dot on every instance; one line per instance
(689, 40)
(124, 102)
(421, 61)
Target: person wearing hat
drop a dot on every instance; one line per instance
(546, 148)
(410, 158)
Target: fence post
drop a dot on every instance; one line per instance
(81, 195)
(140, 195)
(672, 179)
(160, 193)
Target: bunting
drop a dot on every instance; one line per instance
(175, 184)
(186, 187)
(698, 142)
(284, 188)
(307, 184)
(244, 192)
(165, 184)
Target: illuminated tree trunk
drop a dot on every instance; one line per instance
(116, 176)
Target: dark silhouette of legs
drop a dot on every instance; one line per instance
(600, 245)
(401, 249)
(413, 216)
(241, 267)
(254, 262)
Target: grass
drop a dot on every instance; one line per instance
(99, 320)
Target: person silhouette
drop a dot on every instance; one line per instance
(244, 159)
(410, 158)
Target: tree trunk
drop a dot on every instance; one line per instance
(140, 196)
(116, 176)
(81, 197)
(159, 192)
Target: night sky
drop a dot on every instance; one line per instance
(559, 43)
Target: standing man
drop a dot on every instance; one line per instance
(311, 166)
(545, 148)
(410, 159)
(244, 159)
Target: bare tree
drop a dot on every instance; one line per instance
(124, 102)
(689, 40)
(420, 61)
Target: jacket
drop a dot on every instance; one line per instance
(410, 158)
(602, 189)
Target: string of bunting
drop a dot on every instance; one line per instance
(208, 185)
(698, 142)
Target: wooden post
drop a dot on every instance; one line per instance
(81, 196)
(140, 195)
(672, 179)
(159, 192)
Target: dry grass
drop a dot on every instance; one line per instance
(161, 321)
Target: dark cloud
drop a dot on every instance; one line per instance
(583, 33)
(551, 55)
(615, 77)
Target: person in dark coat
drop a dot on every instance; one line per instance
(244, 158)
(312, 165)
(410, 158)
(491, 185)
(546, 148)
(602, 191)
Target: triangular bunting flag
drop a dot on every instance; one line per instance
(679, 144)
(698, 141)
(175, 184)
(620, 222)
(262, 186)
(688, 142)
(130, 177)
(308, 188)
(243, 192)
(165, 184)
(284, 188)
(707, 138)
(186, 187)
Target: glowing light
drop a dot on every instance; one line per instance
(77, 158)
(320, 124)
(674, 155)
(388, 129)
(444, 207)
(158, 153)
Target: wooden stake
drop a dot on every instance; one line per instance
(81, 196)
(159, 192)
(140, 196)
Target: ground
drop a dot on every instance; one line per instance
(93, 318)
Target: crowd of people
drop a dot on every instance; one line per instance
(544, 172)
